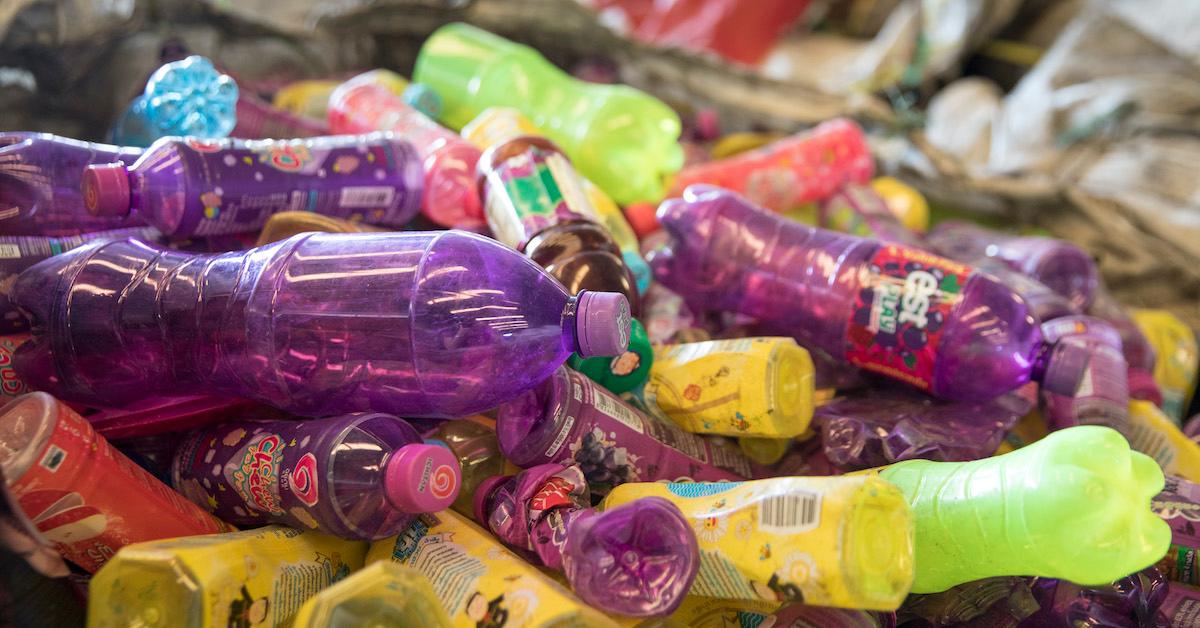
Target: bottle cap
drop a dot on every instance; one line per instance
(641, 217)
(602, 323)
(1066, 367)
(1143, 386)
(106, 189)
(422, 478)
(485, 490)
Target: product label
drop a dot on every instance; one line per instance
(1179, 565)
(530, 192)
(900, 313)
(10, 384)
(256, 475)
(90, 500)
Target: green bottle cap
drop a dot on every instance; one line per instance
(624, 372)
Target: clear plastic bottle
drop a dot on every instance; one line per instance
(185, 97)
(423, 324)
(358, 476)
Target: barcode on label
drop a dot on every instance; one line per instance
(614, 409)
(9, 251)
(793, 512)
(367, 196)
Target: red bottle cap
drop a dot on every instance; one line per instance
(106, 189)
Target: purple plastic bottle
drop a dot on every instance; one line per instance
(1064, 267)
(638, 559)
(1138, 352)
(569, 418)
(895, 310)
(358, 476)
(1100, 385)
(39, 184)
(191, 187)
(422, 324)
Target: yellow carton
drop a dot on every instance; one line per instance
(1152, 433)
(384, 594)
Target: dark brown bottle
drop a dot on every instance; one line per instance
(534, 202)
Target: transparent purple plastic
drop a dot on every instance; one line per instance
(325, 474)
(423, 324)
(39, 184)
(1095, 393)
(726, 254)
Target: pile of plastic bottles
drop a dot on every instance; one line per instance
(251, 383)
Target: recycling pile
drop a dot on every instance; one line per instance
(497, 346)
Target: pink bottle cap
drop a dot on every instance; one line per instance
(106, 189)
(602, 321)
(422, 478)
(485, 490)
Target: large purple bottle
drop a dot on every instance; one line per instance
(902, 312)
(1064, 267)
(571, 419)
(422, 324)
(192, 187)
(358, 476)
(639, 559)
(39, 184)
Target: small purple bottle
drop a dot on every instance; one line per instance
(1100, 385)
(571, 419)
(1064, 267)
(358, 476)
(638, 559)
(39, 185)
(1138, 352)
(421, 324)
(188, 187)
(921, 319)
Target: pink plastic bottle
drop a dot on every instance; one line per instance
(359, 476)
(451, 190)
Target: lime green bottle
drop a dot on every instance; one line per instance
(1074, 505)
(622, 139)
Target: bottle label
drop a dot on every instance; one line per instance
(10, 384)
(901, 311)
(530, 192)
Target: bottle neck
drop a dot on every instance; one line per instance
(570, 325)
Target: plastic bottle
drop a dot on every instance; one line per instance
(186, 98)
(378, 595)
(1073, 505)
(412, 324)
(10, 384)
(306, 98)
(639, 559)
(1066, 268)
(806, 167)
(1138, 351)
(571, 418)
(1152, 433)
(451, 198)
(189, 187)
(259, 119)
(918, 318)
(250, 578)
(534, 202)
(622, 139)
(40, 176)
(1178, 358)
(478, 452)
(906, 204)
(284, 225)
(838, 541)
(359, 476)
(1101, 390)
(82, 494)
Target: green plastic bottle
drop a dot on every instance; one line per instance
(625, 372)
(1074, 505)
(622, 139)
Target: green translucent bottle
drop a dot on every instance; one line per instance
(1074, 505)
(622, 139)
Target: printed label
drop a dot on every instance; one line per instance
(367, 196)
(616, 410)
(790, 512)
(530, 192)
(10, 384)
(901, 311)
(302, 479)
(9, 251)
(256, 478)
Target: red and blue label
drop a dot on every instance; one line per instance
(900, 313)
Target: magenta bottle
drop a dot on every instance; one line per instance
(638, 559)
(1100, 383)
(39, 184)
(921, 319)
(1138, 352)
(421, 324)
(1064, 267)
(357, 476)
(569, 418)
(191, 187)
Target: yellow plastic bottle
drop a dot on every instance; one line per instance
(250, 578)
(284, 225)
(1178, 358)
(379, 596)
(478, 581)
(759, 387)
(306, 98)
(843, 541)
(1152, 433)
(905, 203)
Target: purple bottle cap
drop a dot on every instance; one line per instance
(106, 189)
(422, 478)
(1066, 367)
(485, 490)
(602, 323)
